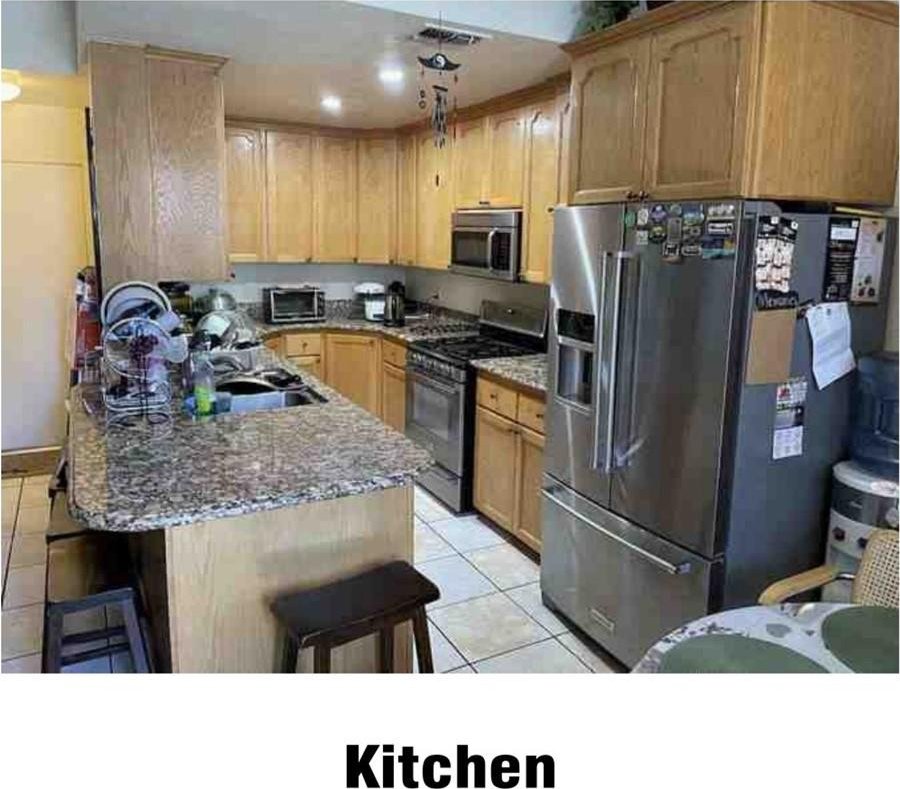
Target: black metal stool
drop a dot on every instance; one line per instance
(372, 602)
(87, 570)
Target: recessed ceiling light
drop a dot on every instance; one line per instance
(331, 103)
(391, 75)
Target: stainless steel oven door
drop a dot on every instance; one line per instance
(434, 417)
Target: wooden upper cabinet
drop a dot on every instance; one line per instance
(245, 189)
(701, 74)
(434, 205)
(827, 114)
(159, 133)
(334, 182)
(289, 196)
(608, 102)
(489, 161)
(406, 200)
(542, 189)
(377, 200)
(470, 163)
(187, 142)
(779, 100)
(505, 182)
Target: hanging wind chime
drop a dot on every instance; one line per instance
(439, 67)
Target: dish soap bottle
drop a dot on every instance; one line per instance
(204, 385)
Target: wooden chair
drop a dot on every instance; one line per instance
(874, 584)
(371, 602)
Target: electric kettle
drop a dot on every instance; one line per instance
(395, 305)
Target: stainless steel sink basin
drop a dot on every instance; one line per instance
(265, 401)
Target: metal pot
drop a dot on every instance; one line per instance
(218, 300)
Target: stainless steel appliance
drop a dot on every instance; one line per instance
(486, 244)
(395, 305)
(298, 304)
(661, 500)
(440, 392)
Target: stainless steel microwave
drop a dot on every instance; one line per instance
(300, 304)
(487, 244)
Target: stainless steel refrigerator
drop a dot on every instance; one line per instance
(661, 499)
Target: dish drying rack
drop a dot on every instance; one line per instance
(134, 369)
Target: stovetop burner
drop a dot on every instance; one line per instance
(466, 349)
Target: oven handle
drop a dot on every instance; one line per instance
(673, 569)
(431, 383)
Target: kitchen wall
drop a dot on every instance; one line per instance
(441, 288)
(466, 293)
(336, 279)
(39, 37)
(45, 230)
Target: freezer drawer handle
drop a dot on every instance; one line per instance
(602, 620)
(673, 569)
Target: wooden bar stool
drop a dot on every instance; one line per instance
(371, 602)
(87, 571)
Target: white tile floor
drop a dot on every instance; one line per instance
(490, 618)
(26, 513)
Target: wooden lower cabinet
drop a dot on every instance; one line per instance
(496, 439)
(352, 367)
(530, 458)
(312, 364)
(393, 396)
(509, 460)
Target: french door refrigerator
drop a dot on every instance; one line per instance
(661, 501)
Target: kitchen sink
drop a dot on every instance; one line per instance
(266, 401)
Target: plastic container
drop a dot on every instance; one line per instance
(204, 385)
(874, 436)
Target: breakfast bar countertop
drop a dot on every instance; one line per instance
(136, 478)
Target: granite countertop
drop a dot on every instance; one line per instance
(433, 326)
(530, 371)
(139, 478)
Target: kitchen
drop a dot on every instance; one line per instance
(524, 319)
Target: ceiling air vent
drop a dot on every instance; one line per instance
(449, 35)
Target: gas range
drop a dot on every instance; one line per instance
(440, 392)
(449, 357)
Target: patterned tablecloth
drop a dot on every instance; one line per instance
(797, 626)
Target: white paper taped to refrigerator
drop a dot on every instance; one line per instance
(829, 328)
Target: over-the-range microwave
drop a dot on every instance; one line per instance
(486, 244)
(300, 304)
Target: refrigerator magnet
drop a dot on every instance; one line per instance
(790, 408)
(868, 261)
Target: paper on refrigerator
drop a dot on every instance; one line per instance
(829, 328)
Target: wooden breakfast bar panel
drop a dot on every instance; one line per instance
(221, 576)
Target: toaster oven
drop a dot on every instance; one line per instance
(301, 304)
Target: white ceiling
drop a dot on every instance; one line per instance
(284, 56)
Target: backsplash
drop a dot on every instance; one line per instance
(336, 279)
(464, 293)
(436, 289)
